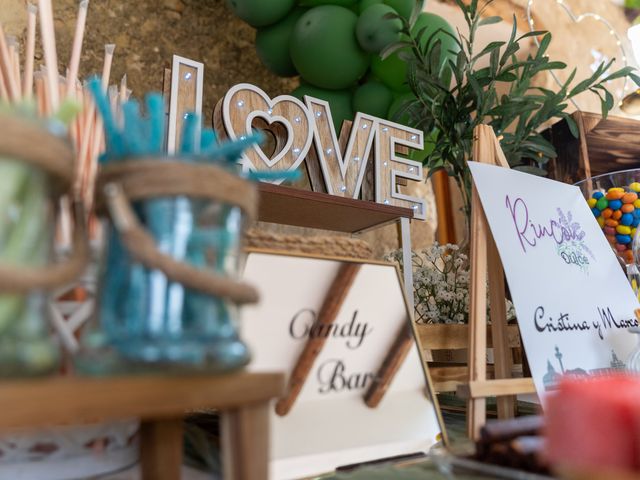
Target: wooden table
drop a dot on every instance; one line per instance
(160, 402)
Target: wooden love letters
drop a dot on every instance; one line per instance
(363, 161)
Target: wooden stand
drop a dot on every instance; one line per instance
(485, 261)
(446, 376)
(160, 402)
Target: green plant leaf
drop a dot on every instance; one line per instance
(394, 47)
(540, 172)
(488, 49)
(490, 21)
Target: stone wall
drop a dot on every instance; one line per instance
(147, 34)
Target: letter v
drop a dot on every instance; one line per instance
(341, 169)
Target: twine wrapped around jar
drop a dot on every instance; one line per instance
(170, 285)
(143, 179)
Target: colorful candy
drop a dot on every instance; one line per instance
(618, 213)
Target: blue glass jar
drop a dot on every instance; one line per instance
(146, 320)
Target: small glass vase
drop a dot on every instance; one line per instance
(27, 347)
(145, 321)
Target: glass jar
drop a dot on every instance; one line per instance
(147, 321)
(618, 217)
(27, 347)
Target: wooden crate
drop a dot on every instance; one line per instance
(604, 146)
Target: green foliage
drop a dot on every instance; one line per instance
(635, 4)
(452, 99)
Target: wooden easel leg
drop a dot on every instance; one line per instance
(476, 408)
(501, 351)
(245, 443)
(161, 449)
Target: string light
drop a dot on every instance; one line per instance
(578, 19)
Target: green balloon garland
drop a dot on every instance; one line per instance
(334, 46)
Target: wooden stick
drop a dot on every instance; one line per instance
(76, 50)
(124, 92)
(27, 86)
(46, 93)
(106, 65)
(96, 145)
(50, 53)
(5, 66)
(14, 58)
(123, 96)
(393, 361)
(3, 89)
(330, 308)
(40, 93)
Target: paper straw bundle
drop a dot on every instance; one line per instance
(57, 96)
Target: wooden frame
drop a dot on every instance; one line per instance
(485, 262)
(187, 80)
(371, 395)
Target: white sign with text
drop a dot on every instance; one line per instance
(572, 299)
(330, 425)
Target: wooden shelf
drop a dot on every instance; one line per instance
(53, 401)
(303, 208)
(160, 402)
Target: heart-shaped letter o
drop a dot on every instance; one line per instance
(287, 118)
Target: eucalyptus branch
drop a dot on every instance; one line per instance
(451, 110)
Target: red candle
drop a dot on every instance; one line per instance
(594, 424)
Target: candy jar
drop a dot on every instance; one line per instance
(169, 282)
(614, 201)
(36, 168)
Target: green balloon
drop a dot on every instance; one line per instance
(272, 44)
(403, 7)
(315, 3)
(324, 48)
(373, 98)
(393, 71)
(433, 23)
(374, 31)
(364, 4)
(339, 102)
(260, 13)
(429, 147)
(395, 107)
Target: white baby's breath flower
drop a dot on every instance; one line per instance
(441, 284)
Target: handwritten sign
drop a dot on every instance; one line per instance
(330, 425)
(572, 299)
